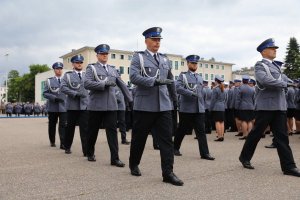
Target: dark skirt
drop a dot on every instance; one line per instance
(218, 116)
(297, 115)
(246, 115)
(290, 112)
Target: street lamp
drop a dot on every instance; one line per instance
(6, 86)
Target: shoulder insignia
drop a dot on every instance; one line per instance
(69, 72)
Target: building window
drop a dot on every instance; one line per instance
(206, 76)
(222, 67)
(171, 63)
(217, 66)
(212, 66)
(128, 70)
(68, 60)
(121, 70)
(200, 74)
(206, 65)
(176, 77)
(122, 57)
(211, 77)
(129, 57)
(113, 56)
(176, 65)
(182, 63)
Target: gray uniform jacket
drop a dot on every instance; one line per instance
(27, 108)
(230, 98)
(217, 100)
(18, 108)
(104, 98)
(189, 103)
(9, 108)
(245, 98)
(226, 97)
(72, 87)
(290, 98)
(271, 95)
(37, 109)
(207, 97)
(120, 99)
(50, 94)
(149, 97)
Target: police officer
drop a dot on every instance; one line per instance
(27, 109)
(245, 104)
(18, 109)
(230, 107)
(77, 101)
(121, 115)
(9, 109)
(217, 107)
(207, 99)
(291, 106)
(150, 71)
(192, 109)
(101, 80)
(270, 110)
(37, 109)
(56, 105)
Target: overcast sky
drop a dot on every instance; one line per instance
(39, 32)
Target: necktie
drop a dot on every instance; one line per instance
(59, 80)
(155, 58)
(104, 66)
(79, 74)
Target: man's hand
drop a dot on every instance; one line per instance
(163, 82)
(194, 94)
(58, 100)
(110, 83)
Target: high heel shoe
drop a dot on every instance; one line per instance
(220, 139)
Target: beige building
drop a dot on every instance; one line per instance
(243, 71)
(121, 60)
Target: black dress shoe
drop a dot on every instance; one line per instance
(239, 134)
(271, 146)
(290, 133)
(68, 151)
(243, 138)
(62, 147)
(196, 138)
(207, 157)
(126, 142)
(292, 172)
(263, 136)
(173, 179)
(84, 155)
(268, 132)
(177, 153)
(135, 171)
(91, 158)
(220, 139)
(52, 145)
(246, 164)
(117, 163)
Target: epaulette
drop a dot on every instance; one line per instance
(162, 54)
(113, 66)
(183, 72)
(92, 64)
(142, 52)
(69, 72)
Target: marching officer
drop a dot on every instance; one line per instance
(101, 80)
(150, 71)
(270, 110)
(77, 101)
(291, 106)
(18, 109)
(56, 105)
(192, 109)
(207, 100)
(27, 109)
(9, 109)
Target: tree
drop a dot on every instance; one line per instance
(22, 88)
(292, 59)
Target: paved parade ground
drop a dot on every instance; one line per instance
(31, 169)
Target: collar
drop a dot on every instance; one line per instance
(151, 53)
(77, 71)
(57, 77)
(102, 64)
(270, 61)
(192, 72)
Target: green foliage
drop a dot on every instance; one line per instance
(21, 88)
(292, 59)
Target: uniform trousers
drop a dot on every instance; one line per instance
(143, 122)
(109, 121)
(195, 120)
(82, 117)
(208, 121)
(121, 123)
(277, 122)
(53, 118)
